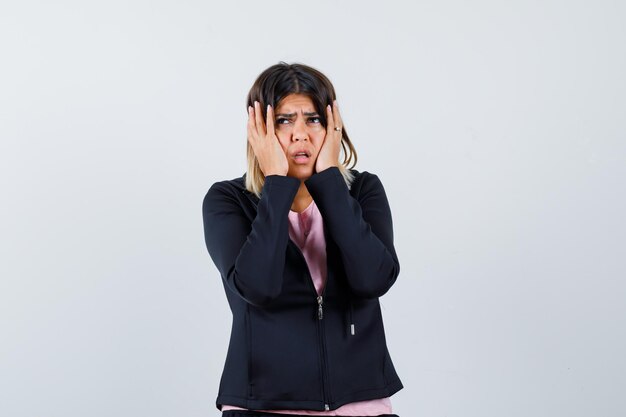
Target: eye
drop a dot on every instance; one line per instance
(315, 119)
(282, 121)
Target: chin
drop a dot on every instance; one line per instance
(302, 172)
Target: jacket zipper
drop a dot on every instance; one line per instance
(320, 315)
(320, 310)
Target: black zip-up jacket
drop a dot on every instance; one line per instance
(290, 348)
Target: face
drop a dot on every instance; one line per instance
(298, 128)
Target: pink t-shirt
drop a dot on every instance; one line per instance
(306, 229)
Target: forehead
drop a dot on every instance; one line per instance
(295, 103)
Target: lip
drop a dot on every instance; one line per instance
(294, 153)
(301, 160)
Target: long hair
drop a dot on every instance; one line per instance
(279, 81)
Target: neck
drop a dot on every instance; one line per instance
(302, 199)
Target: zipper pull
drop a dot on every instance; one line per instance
(326, 407)
(320, 311)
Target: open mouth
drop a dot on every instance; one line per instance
(302, 156)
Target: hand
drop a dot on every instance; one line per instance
(264, 142)
(329, 153)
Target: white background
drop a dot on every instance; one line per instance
(497, 129)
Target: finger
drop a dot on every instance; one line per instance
(270, 121)
(251, 125)
(330, 123)
(337, 119)
(260, 128)
(250, 119)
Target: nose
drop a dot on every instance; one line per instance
(299, 132)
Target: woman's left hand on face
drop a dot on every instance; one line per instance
(329, 153)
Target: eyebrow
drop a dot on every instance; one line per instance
(290, 115)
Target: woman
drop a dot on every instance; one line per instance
(305, 248)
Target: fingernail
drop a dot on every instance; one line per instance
(328, 107)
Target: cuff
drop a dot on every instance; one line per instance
(281, 181)
(315, 180)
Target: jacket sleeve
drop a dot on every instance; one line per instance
(250, 257)
(363, 230)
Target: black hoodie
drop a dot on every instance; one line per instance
(289, 348)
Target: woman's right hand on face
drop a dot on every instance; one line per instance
(264, 142)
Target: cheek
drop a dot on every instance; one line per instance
(283, 140)
(318, 141)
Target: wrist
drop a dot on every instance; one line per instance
(321, 169)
